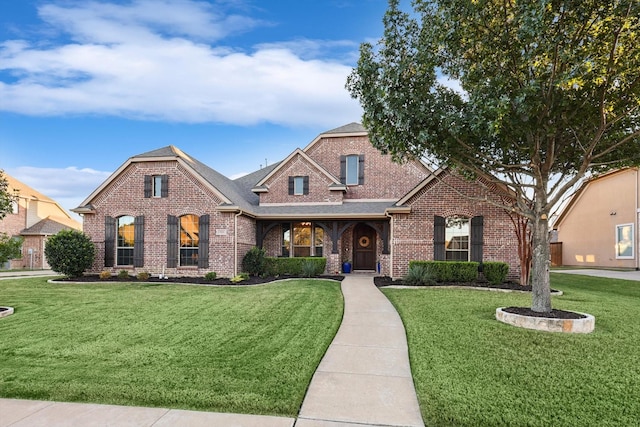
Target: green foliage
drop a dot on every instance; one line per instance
(450, 271)
(495, 272)
(311, 268)
(104, 275)
(549, 94)
(6, 198)
(293, 266)
(123, 275)
(10, 247)
(212, 275)
(70, 252)
(239, 278)
(143, 276)
(419, 275)
(253, 261)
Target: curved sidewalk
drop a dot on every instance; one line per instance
(365, 377)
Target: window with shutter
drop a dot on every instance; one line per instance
(138, 241)
(438, 238)
(109, 241)
(125, 240)
(203, 245)
(172, 241)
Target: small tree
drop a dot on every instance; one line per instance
(70, 252)
(5, 197)
(10, 247)
(254, 261)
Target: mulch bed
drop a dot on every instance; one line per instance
(223, 281)
(387, 281)
(553, 314)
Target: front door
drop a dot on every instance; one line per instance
(364, 247)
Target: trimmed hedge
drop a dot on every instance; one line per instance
(293, 266)
(450, 271)
(495, 272)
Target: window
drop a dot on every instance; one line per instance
(457, 239)
(298, 185)
(189, 240)
(14, 207)
(624, 241)
(125, 243)
(156, 186)
(298, 240)
(352, 170)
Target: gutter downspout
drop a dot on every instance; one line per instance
(388, 215)
(235, 242)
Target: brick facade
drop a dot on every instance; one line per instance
(237, 217)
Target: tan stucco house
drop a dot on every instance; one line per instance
(35, 217)
(599, 226)
(338, 198)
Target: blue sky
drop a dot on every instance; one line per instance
(86, 84)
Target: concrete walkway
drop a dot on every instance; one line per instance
(363, 380)
(16, 274)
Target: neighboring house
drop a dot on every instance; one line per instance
(338, 198)
(35, 217)
(599, 225)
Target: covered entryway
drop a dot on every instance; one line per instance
(364, 247)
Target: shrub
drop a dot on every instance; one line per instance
(293, 266)
(239, 278)
(143, 276)
(310, 268)
(495, 272)
(10, 247)
(253, 261)
(451, 271)
(105, 275)
(419, 275)
(70, 252)
(123, 274)
(212, 275)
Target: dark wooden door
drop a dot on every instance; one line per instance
(364, 247)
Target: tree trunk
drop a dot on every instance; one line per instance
(541, 288)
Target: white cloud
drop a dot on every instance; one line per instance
(149, 60)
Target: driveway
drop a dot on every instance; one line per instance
(612, 274)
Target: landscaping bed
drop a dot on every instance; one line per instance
(222, 281)
(383, 281)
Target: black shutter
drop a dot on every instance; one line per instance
(147, 186)
(109, 241)
(343, 169)
(291, 185)
(172, 241)
(477, 240)
(361, 169)
(305, 185)
(438, 238)
(138, 241)
(164, 189)
(203, 242)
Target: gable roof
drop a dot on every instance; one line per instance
(27, 192)
(50, 226)
(351, 129)
(335, 182)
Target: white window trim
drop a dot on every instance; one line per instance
(619, 228)
(356, 176)
(298, 185)
(156, 186)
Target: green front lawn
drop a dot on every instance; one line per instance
(237, 349)
(470, 370)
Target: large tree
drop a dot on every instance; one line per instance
(549, 93)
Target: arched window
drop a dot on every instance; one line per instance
(189, 240)
(457, 234)
(125, 243)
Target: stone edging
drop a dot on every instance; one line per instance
(7, 312)
(577, 326)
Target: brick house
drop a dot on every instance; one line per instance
(35, 217)
(338, 198)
